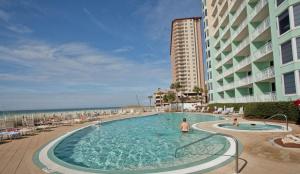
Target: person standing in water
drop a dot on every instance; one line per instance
(184, 127)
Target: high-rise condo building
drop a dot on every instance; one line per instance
(186, 54)
(253, 50)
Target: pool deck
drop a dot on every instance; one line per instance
(16, 156)
(259, 153)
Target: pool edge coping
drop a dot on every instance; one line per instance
(42, 160)
(254, 131)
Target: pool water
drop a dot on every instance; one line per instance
(251, 126)
(139, 144)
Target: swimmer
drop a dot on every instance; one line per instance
(184, 127)
(235, 122)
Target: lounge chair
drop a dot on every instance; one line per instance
(202, 109)
(218, 111)
(207, 109)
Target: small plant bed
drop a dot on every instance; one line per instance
(288, 145)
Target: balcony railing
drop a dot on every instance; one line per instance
(228, 71)
(260, 5)
(261, 28)
(246, 61)
(227, 57)
(244, 81)
(228, 86)
(265, 74)
(264, 50)
(242, 45)
(245, 99)
(240, 27)
(239, 10)
(219, 64)
(267, 97)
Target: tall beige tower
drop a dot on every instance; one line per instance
(186, 54)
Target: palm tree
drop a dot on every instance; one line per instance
(150, 98)
(177, 88)
(197, 91)
(169, 98)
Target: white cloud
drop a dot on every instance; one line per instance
(158, 17)
(47, 70)
(4, 15)
(96, 21)
(18, 28)
(123, 49)
(5, 20)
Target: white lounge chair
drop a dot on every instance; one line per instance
(218, 111)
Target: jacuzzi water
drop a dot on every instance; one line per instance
(251, 126)
(140, 144)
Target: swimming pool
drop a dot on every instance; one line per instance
(137, 145)
(253, 127)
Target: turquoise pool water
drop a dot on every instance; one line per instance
(140, 144)
(251, 126)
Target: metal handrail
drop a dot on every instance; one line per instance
(226, 135)
(286, 119)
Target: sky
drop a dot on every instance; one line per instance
(78, 53)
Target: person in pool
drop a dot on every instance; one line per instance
(184, 127)
(235, 122)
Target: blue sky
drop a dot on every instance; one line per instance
(78, 53)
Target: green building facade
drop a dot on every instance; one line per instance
(252, 50)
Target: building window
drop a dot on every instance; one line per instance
(279, 2)
(250, 91)
(297, 15)
(289, 83)
(284, 22)
(286, 52)
(298, 47)
(273, 87)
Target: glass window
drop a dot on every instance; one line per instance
(273, 87)
(289, 83)
(284, 22)
(286, 52)
(298, 47)
(297, 15)
(279, 2)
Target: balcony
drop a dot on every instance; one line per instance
(261, 53)
(244, 81)
(267, 97)
(215, 11)
(240, 28)
(246, 61)
(245, 99)
(227, 58)
(219, 64)
(213, 2)
(259, 6)
(238, 11)
(265, 74)
(242, 45)
(228, 86)
(261, 28)
(228, 72)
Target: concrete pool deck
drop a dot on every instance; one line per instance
(261, 155)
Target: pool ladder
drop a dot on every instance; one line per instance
(282, 115)
(226, 135)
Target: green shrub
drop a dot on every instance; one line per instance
(263, 109)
